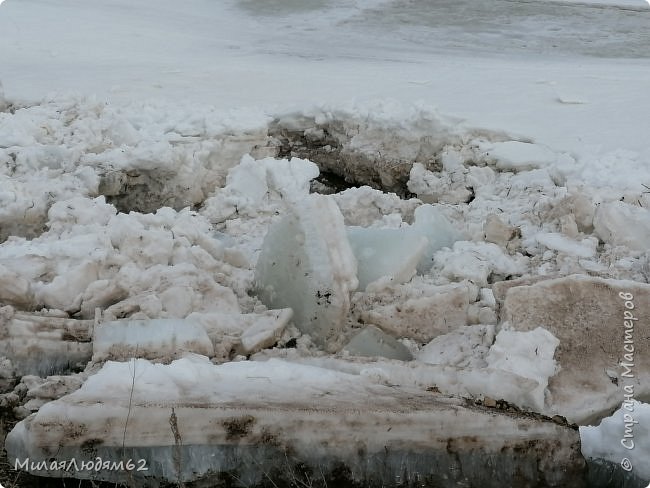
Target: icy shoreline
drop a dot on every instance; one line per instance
(477, 284)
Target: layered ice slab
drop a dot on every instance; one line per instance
(600, 325)
(306, 264)
(212, 334)
(43, 344)
(624, 435)
(254, 421)
(150, 339)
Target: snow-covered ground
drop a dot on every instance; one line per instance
(527, 122)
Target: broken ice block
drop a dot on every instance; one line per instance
(622, 224)
(246, 333)
(385, 252)
(432, 224)
(259, 420)
(520, 156)
(373, 342)
(43, 344)
(528, 354)
(399, 253)
(150, 339)
(307, 264)
(417, 313)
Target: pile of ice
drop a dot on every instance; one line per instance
(192, 420)
(162, 234)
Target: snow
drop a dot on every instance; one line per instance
(609, 441)
(155, 163)
(512, 351)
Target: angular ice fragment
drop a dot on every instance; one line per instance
(559, 242)
(42, 344)
(520, 156)
(465, 347)
(528, 354)
(253, 184)
(432, 224)
(587, 315)
(150, 339)
(626, 434)
(306, 263)
(240, 416)
(14, 289)
(247, 333)
(394, 253)
(418, 314)
(475, 261)
(373, 342)
(621, 224)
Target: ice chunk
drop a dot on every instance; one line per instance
(306, 263)
(365, 206)
(587, 315)
(432, 224)
(398, 253)
(583, 249)
(150, 339)
(519, 156)
(252, 184)
(43, 344)
(43, 390)
(496, 231)
(465, 347)
(290, 177)
(14, 289)
(475, 261)
(621, 224)
(246, 333)
(372, 342)
(66, 290)
(449, 187)
(419, 314)
(608, 440)
(527, 354)
(393, 253)
(242, 417)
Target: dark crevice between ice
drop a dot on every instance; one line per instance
(342, 168)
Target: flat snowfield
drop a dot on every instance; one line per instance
(573, 75)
